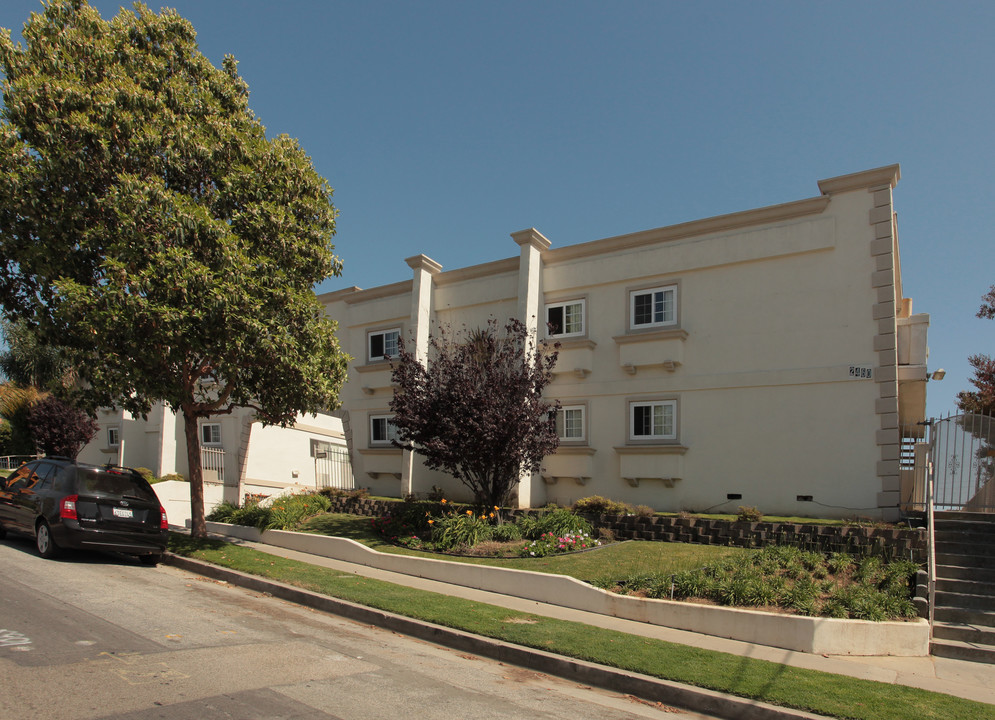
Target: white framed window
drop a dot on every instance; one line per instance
(653, 420)
(653, 307)
(566, 319)
(383, 344)
(570, 423)
(113, 436)
(382, 430)
(210, 434)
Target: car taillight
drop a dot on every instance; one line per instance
(67, 508)
(164, 524)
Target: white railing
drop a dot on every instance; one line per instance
(212, 464)
(10, 462)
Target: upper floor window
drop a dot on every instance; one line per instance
(113, 436)
(210, 434)
(570, 423)
(382, 430)
(565, 319)
(383, 344)
(653, 307)
(653, 420)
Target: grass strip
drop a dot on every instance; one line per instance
(818, 692)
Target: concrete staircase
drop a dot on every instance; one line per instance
(964, 613)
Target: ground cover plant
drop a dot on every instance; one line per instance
(787, 579)
(822, 693)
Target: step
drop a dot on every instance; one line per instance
(958, 536)
(981, 550)
(947, 614)
(960, 516)
(957, 650)
(967, 587)
(962, 632)
(949, 571)
(970, 561)
(965, 601)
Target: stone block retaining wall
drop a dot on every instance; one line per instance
(889, 542)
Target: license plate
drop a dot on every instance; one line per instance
(124, 512)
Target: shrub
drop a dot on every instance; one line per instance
(173, 476)
(289, 512)
(222, 512)
(145, 473)
(748, 513)
(508, 532)
(597, 505)
(460, 530)
(643, 511)
(556, 522)
(251, 515)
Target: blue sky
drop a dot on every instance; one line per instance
(446, 126)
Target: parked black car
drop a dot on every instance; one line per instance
(63, 504)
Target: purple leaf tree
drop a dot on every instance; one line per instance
(476, 409)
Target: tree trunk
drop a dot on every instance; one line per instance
(198, 526)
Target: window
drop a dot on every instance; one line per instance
(570, 423)
(383, 344)
(113, 436)
(653, 308)
(565, 319)
(382, 430)
(653, 420)
(210, 434)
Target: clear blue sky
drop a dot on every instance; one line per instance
(445, 126)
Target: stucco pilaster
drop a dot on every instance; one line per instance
(532, 245)
(422, 287)
(884, 278)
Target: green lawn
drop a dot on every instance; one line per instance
(822, 693)
(614, 562)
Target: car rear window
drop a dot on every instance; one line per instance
(113, 483)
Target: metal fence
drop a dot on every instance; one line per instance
(332, 468)
(958, 452)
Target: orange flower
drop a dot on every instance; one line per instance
(443, 501)
(469, 512)
(431, 522)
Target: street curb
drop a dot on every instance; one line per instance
(622, 681)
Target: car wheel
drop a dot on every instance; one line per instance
(150, 560)
(43, 540)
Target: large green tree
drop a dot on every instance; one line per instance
(150, 227)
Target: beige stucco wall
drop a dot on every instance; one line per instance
(776, 307)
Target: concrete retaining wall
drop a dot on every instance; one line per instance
(827, 636)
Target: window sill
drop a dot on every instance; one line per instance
(384, 450)
(650, 335)
(372, 366)
(651, 449)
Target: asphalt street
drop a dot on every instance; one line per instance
(100, 636)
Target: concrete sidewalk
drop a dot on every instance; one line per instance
(973, 681)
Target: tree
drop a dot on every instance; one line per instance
(60, 429)
(149, 226)
(15, 409)
(981, 400)
(476, 411)
(27, 361)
